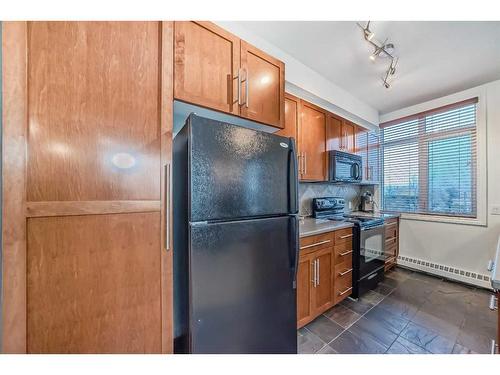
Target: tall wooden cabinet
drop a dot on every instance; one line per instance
(88, 129)
(217, 70)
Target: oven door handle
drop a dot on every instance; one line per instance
(375, 227)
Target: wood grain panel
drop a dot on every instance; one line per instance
(207, 59)
(348, 135)
(67, 208)
(93, 114)
(265, 77)
(323, 293)
(312, 142)
(93, 284)
(333, 133)
(304, 286)
(14, 40)
(166, 123)
(291, 117)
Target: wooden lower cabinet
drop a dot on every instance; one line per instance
(324, 276)
(323, 291)
(391, 243)
(304, 296)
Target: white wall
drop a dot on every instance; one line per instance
(465, 247)
(308, 84)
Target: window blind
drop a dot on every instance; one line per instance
(429, 162)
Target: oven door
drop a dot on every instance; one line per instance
(371, 250)
(347, 170)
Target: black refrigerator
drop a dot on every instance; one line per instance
(235, 239)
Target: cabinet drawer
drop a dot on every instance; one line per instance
(343, 271)
(313, 243)
(343, 252)
(391, 232)
(343, 235)
(343, 288)
(389, 242)
(391, 250)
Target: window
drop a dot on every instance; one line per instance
(429, 162)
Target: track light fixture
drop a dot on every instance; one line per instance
(385, 50)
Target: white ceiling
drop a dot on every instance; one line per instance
(435, 58)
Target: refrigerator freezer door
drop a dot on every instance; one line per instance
(237, 172)
(241, 285)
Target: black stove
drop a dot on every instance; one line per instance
(368, 242)
(332, 208)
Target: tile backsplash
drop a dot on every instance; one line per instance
(308, 191)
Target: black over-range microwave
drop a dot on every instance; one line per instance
(344, 167)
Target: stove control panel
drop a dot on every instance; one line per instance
(328, 203)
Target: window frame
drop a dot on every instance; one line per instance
(480, 175)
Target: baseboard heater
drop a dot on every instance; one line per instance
(452, 273)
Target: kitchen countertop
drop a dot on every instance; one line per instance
(310, 226)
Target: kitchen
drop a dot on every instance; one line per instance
(254, 205)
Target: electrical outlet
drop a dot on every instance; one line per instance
(350, 206)
(495, 209)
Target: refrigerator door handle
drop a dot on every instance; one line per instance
(293, 179)
(294, 249)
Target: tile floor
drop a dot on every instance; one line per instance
(409, 312)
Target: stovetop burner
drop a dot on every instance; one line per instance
(332, 208)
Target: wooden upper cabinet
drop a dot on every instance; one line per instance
(348, 135)
(215, 69)
(312, 143)
(292, 105)
(333, 133)
(263, 86)
(206, 63)
(362, 148)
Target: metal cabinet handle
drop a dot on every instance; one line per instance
(314, 244)
(346, 236)
(305, 163)
(345, 253)
(494, 346)
(247, 91)
(390, 239)
(345, 272)
(239, 87)
(493, 303)
(167, 206)
(345, 291)
(491, 264)
(313, 264)
(298, 163)
(391, 224)
(317, 273)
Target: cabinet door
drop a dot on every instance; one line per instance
(323, 290)
(304, 284)
(361, 142)
(373, 163)
(96, 277)
(206, 63)
(312, 142)
(291, 117)
(263, 86)
(333, 133)
(348, 133)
